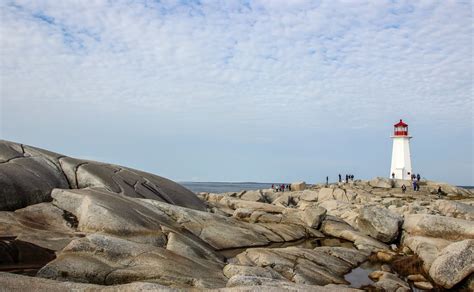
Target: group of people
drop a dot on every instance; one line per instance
(349, 177)
(281, 188)
(415, 178)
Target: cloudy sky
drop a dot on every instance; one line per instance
(265, 90)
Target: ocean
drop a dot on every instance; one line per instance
(223, 187)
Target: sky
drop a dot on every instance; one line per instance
(265, 90)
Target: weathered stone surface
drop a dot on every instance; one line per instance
(255, 196)
(313, 215)
(439, 226)
(338, 228)
(309, 195)
(423, 285)
(432, 186)
(390, 283)
(189, 248)
(266, 272)
(379, 223)
(142, 220)
(253, 283)
(298, 186)
(325, 194)
(416, 278)
(381, 182)
(455, 209)
(350, 255)
(453, 264)
(427, 248)
(13, 282)
(102, 259)
(25, 179)
(302, 266)
(28, 175)
(42, 224)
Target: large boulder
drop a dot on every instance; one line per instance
(453, 264)
(379, 223)
(309, 195)
(325, 194)
(28, 175)
(255, 196)
(336, 227)
(25, 178)
(427, 248)
(298, 186)
(439, 226)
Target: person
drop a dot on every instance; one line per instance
(289, 188)
(282, 188)
(404, 188)
(273, 186)
(347, 178)
(414, 185)
(417, 186)
(327, 180)
(340, 178)
(393, 175)
(440, 192)
(418, 177)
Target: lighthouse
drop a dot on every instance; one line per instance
(401, 160)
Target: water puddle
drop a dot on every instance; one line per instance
(21, 257)
(359, 277)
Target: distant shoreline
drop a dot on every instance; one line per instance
(224, 187)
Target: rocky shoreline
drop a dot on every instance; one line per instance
(71, 224)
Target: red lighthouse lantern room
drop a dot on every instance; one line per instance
(400, 129)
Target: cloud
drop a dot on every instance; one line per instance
(317, 63)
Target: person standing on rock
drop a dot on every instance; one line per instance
(393, 175)
(327, 180)
(414, 185)
(418, 177)
(340, 178)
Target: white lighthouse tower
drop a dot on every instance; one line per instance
(401, 159)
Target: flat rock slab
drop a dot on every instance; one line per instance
(320, 266)
(108, 260)
(42, 224)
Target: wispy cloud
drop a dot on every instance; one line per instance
(355, 60)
